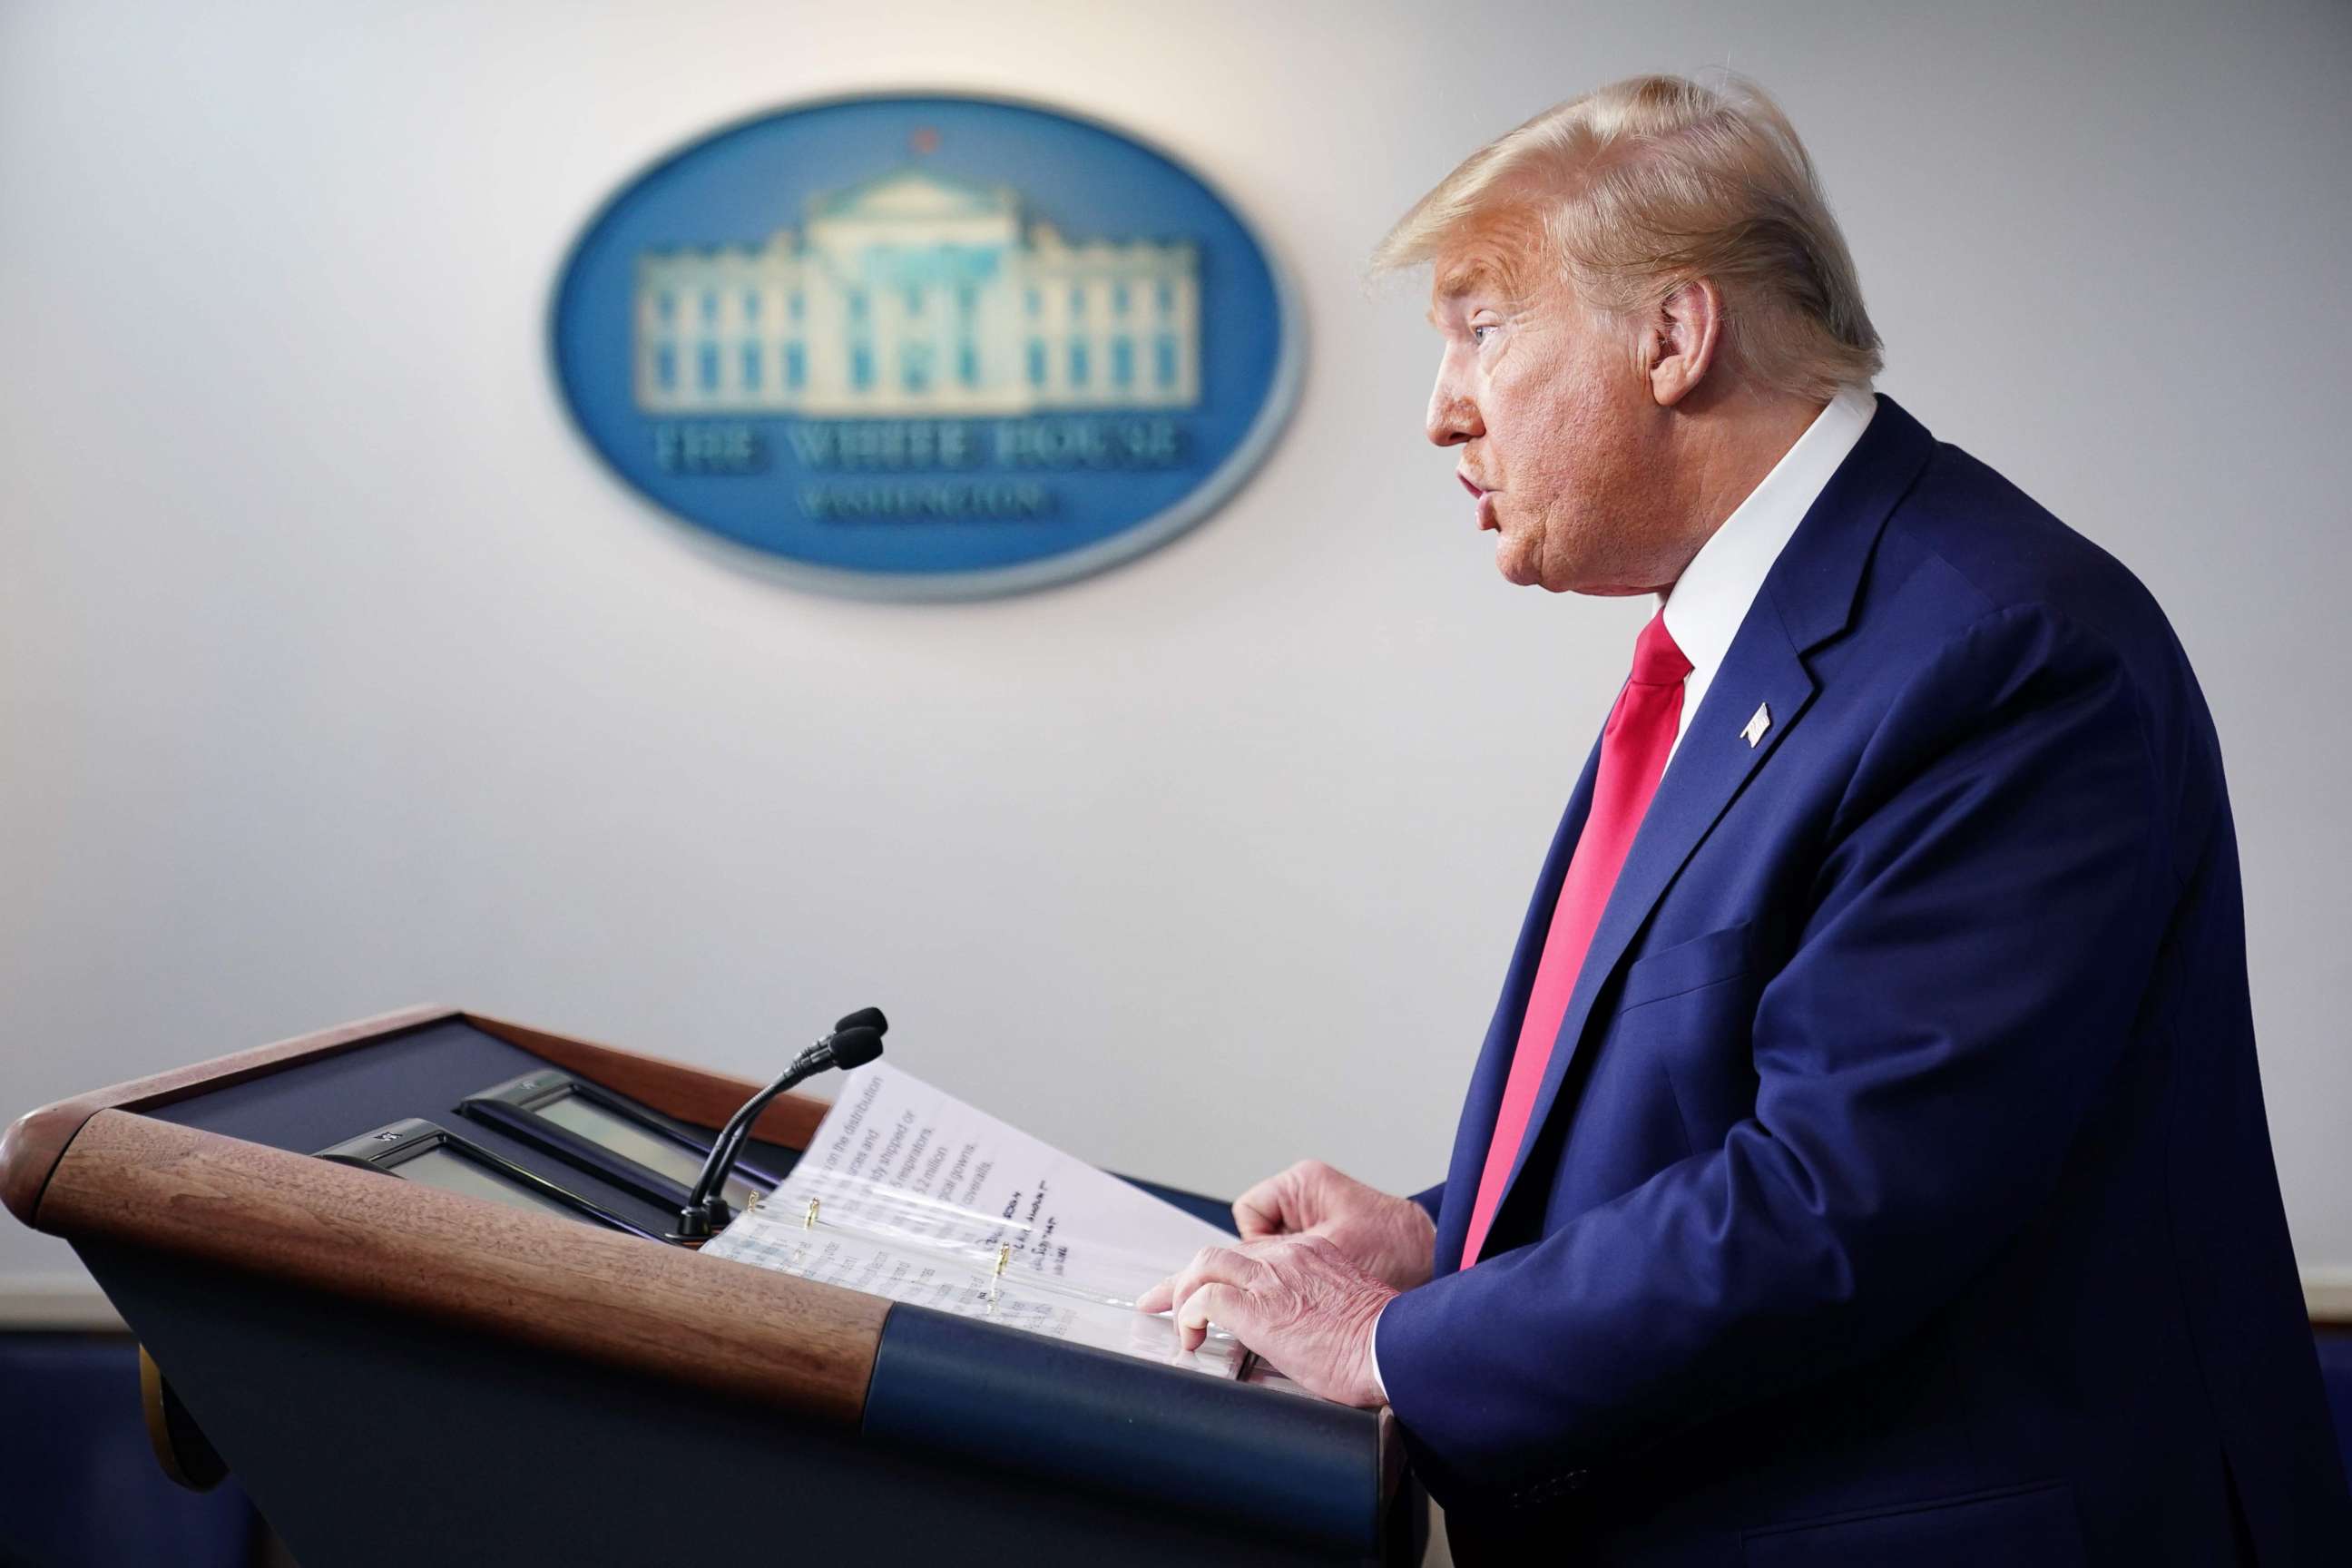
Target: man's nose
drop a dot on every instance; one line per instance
(1452, 417)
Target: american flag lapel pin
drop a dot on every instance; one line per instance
(1758, 723)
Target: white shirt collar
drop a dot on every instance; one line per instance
(1705, 608)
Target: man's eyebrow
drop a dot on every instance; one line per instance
(1462, 280)
(1459, 280)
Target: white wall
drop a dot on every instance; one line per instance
(335, 674)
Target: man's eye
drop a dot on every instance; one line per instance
(1478, 333)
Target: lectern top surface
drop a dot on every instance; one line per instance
(424, 1071)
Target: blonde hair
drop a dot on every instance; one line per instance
(1648, 184)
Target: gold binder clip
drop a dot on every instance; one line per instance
(996, 1275)
(808, 1220)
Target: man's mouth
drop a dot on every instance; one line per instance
(1481, 495)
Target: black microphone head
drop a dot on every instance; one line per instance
(864, 1019)
(856, 1047)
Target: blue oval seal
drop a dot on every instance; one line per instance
(927, 346)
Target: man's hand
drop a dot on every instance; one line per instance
(1298, 1300)
(1388, 1237)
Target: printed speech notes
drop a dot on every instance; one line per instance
(909, 1192)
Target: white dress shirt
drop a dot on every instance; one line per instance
(1707, 603)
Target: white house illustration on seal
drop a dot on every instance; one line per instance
(916, 295)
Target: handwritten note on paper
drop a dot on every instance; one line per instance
(908, 1192)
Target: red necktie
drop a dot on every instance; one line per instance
(1633, 747)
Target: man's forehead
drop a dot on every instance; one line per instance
(1487, 261)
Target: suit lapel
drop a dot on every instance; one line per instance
(1707, 770)
(1807, 597)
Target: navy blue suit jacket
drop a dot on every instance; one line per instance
(1899, 1190)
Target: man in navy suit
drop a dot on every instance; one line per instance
(1866, 1161)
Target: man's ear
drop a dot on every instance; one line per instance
(1681, 339)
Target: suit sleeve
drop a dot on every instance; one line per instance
(1988, 900)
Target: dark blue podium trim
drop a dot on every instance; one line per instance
(1063, 1415)
(1216, 1211)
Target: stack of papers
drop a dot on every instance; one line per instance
(908, 1192)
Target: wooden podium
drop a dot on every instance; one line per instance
(399, 1374)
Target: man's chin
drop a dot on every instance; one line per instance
(1515, 562)
(1521, 572)
(1522, 567)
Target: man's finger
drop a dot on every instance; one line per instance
(1227, 1305)
(1264, 1209)
(1211, 1264)
(1215, 1265)
(1164, 1295)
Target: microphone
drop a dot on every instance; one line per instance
(856, 1047)
(855, 1040)
(864, 1019)
(849, 1046)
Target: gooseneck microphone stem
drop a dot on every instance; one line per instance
(855, 1041)
(729, 1142)
(842, 1049)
